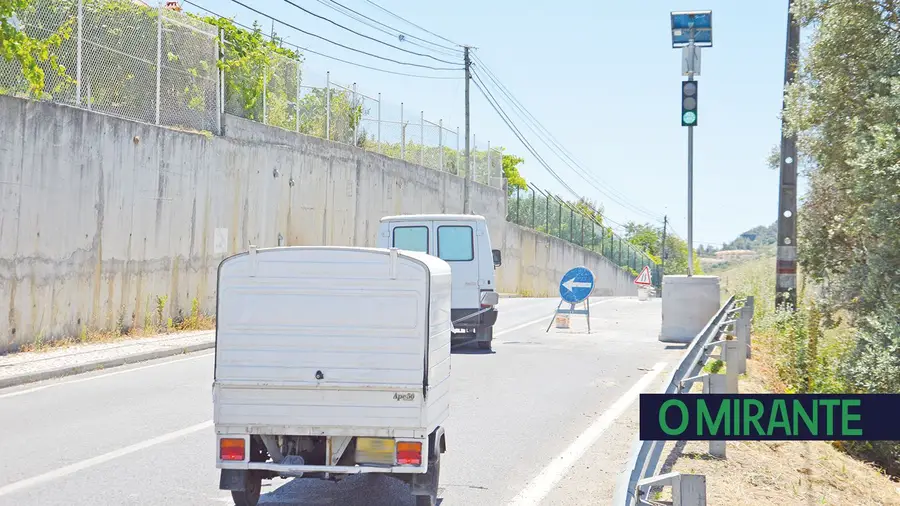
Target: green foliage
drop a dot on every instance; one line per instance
(32, 54)
(648, 238)
(514, 180)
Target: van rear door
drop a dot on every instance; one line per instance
(455, 242)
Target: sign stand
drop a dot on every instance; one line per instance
(574, 287)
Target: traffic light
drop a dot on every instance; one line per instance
(689, 103)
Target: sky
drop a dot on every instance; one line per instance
(600, 75)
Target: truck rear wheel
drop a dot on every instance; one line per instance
(252, 489)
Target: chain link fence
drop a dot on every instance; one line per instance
(166, 67)
(120, 58)
(547, 213)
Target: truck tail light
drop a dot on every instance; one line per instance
(409, 453)
(231, 449)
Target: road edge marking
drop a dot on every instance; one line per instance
(103, 375)
(539, 487)
(100, 459)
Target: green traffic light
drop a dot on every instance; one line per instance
(689, 118)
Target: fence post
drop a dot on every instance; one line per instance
(517, 206)
(402, 135)
(265, 93)
(328, 105)
(379, 122)
(559, 222)
(488, 175)
(297, 99)
(533, 218)
(78, 40)
(458, 155)
(159, 15)
(356, 120)
(572, 226)
(593, 237)
(547, 205)
(216, 56)
(620, 252)
(582, 231)
(473, 161)
(422, 138)
(222, 75)
(441, 144)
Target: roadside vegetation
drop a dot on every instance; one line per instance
(155, 324)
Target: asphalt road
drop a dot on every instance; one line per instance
(547, 418)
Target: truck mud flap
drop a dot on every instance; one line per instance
(232, 479)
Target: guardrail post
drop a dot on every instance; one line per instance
(732, 352)
(716, 384)
(742, 333)
(687, 489)
(748, 311)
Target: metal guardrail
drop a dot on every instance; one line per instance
(640, 475)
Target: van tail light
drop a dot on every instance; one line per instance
(409, 453)
(231, 449)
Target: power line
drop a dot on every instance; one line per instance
(559, 149)
(361, 17)
(413, 24)
(490, 98)
(418, 76)
(589, 182)
(342, 45)
(335, 23)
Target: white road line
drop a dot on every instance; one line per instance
(545, 319)
(100, 459)
(542, 484)
(99, 376)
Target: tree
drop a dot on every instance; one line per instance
(514, 180)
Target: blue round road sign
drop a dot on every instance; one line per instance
(576, 285)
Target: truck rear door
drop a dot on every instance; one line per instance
(456, 243)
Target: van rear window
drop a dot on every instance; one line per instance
(455, 243)
(411, 238)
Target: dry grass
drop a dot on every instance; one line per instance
(778, 472)
(155, 325)
(783, 472)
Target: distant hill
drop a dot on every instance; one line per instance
(755, 239)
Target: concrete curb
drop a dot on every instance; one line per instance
(102, 364)
(510, 296)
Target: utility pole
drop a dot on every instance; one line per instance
(663, 257)
(786, 264)
(468, 65)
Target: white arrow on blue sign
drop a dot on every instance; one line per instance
(576, 285)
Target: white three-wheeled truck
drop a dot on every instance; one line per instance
(331, 361)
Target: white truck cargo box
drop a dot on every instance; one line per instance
(318, 348)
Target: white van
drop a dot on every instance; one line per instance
(331, 362)
(462, 241)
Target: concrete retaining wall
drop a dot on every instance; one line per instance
(99, 216)
(534, 263)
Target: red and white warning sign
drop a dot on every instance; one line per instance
(644, 277)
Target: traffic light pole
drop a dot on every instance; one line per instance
(690, 196)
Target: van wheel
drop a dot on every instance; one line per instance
(252, 489)
(484, 338)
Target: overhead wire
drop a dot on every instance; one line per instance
(301, 48)
(373, 39)
(343, 45)
(482, 88)
(551, 142)
(413, 24)
(496, 106)
(371, 22)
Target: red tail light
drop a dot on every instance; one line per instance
(409, 453)
(231, 449)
